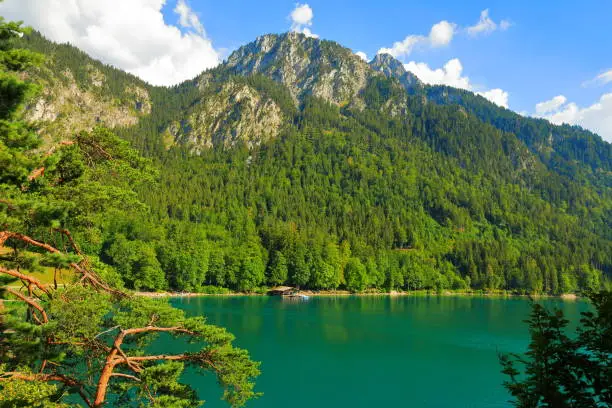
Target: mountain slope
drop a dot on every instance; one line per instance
(79, 93)
(568, 150)
(295, 152)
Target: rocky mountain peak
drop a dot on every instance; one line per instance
(306, 66)
(393, 68)
(387, 64)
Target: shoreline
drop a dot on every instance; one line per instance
(346, 293)
(343, 293)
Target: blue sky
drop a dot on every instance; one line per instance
(526, 53)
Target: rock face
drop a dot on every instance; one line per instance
(224, 111)
(306, 66)
(65, 107)
(238, 113)
(392, 68)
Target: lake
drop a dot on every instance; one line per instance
(364, 351)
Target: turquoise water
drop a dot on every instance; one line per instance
(372, 351)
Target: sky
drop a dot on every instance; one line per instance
(539, 58)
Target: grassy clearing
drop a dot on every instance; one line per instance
(45, 274)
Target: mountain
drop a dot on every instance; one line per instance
(294, 156)
(306, 66)
(78, 92)
(393, 68)
(568, 149)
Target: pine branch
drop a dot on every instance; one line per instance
(89, 275)
(68, 381)
(117, 356)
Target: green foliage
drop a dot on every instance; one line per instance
(84, 324)
(251, 270)
(277, 269)
(77, 313)
(164, 379)
(16, 138)
(566, 149)
(136, 262)
(356, 275)
(57, 345)
(456, 194)
(419, 213)
(560, 371)
(300, 269)
(19, 393)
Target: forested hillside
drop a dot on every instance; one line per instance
(295, 162)
(568, 150)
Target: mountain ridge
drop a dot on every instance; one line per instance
(295, 150)
(334, 86)
(542, 137)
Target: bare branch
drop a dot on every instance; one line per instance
(89, 275)
(28, 240)
(68, 235)
(131, 377)
(167, 357)
(26, 278)
(32, 303)
(36, 173)
(147, 329)
(134, 367)
(106, 331)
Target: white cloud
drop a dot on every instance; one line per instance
(404, 47)
(486, 25)
(449, 75)
(302, 14)
(308, 33)
(601, 79)
(362, 55)
(301, 20)
(441, 34)
(605, 77)
(597, 117)
(187, 18)
(129, 34)
(497, 96)
(550, 105)
(452, 75)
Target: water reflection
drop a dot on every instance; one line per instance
(365, 351)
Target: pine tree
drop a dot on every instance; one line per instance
(560, 371)
(277, 269)
(89, 339)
